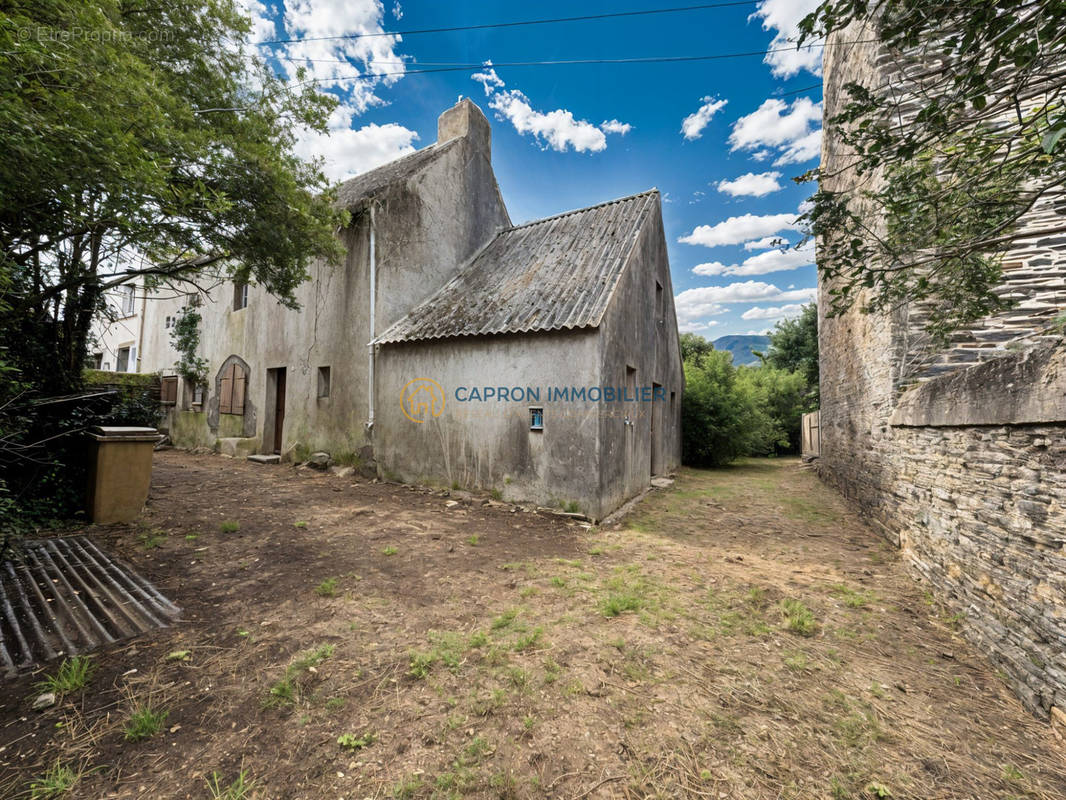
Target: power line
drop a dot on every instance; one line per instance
(583, 18)
(564, 62)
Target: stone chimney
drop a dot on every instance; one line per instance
(465, 119)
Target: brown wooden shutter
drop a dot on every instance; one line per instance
(239, 382)
(225, 391)
(168, 390)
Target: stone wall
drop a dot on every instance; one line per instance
(958, 456)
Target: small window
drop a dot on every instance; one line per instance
(536, 419)
(123, 364)
(98, 360)
(168, 389)
(169, 323)
(323, 381)
(240, 296)
(198, 394)
(658, 301)
(126, 298)
(107, 366)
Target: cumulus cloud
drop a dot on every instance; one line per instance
(692, 126)
(488, 79)
(777, 126)
(698, 326)
(783, 17)
(751, 184)
(693, 306)
(763, 263)
(764, 243)
(348, 151)
(741, 229)
(772, 313)
(614, 126)
(801, 150)
(558, 129)
(333, 62)
(263, 25)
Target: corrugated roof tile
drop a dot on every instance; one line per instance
(556, 273)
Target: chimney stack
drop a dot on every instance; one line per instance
(465, 119)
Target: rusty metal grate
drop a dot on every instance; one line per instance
(66, 596)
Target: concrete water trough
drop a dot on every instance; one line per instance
(64, 596)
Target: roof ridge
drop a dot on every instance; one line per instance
(652, 190)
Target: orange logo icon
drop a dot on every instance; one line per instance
(421, 399)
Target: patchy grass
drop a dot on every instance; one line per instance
(725, 649)
(389, 550)
(74, 673)
(287, 691)
(241, 788)
(328, 588)
(230, 526)
(56, 782)
(152, 539)
(144, 723)
(798, 618)
(349, 741)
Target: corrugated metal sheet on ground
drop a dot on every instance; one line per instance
(554, 274)
(64, 596)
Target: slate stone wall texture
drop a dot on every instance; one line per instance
(958, 456)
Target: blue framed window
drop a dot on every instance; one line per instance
(536, 419)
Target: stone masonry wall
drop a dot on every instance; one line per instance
(960, 463)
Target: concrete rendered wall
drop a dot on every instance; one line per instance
(489, 445)
(636, 334)
(965, 471)
(425, 229)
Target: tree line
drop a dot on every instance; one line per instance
(731, 411)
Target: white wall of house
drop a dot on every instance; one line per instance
(116, 335)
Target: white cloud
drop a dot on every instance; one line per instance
(334, 62)
(556, 129)
(397, 10)
(751, 184)
(489, 79)
(803, 149)
(763, 243)
(741, 292)
(772, 313)
(740, 229)
(783, 17)
(710, 268)
(692, 312)
(775, 124)
(347, 151)
(692, 126)
(697, 327)
(763, 263)
(614, 126)
(263, 26)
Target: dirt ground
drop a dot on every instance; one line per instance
(741, 635)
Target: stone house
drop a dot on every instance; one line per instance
(958, 455)
(452, 347)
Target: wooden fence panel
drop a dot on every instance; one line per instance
(811, 440)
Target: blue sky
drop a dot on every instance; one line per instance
(721, 139)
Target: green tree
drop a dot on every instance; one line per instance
(694, 346)
(950, 153)
(781, 397)
(794, 346)
(142, 140)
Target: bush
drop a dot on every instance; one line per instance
(719, 418)
(783, 397)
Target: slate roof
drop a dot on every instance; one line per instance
(370, 183)
(553, 274)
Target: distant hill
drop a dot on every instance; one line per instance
(741, 347)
